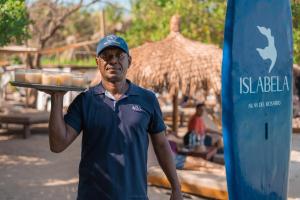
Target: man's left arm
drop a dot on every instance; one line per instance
(164, 156)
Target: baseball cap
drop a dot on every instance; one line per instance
(112, 41)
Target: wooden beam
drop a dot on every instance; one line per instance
(175, 113)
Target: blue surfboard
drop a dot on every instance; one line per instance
(257, 98)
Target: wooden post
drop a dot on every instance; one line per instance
(26, 130)
(27, 98)
(175, 112)
(102, 23)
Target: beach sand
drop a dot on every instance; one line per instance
(29, 171)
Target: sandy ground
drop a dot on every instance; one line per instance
(294, 177)
(29, 171)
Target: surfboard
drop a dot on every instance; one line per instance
(257, 98)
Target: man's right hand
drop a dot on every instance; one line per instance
(61, 135)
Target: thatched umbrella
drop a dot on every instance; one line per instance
(177, 63)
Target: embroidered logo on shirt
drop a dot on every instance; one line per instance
(137, 108)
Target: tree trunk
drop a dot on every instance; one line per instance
(37, 61)
(27, 59)
(32, 93)
(38, 56)
(175, 113)
(31, 99)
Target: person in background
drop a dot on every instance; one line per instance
(187, 162)
(197, 129)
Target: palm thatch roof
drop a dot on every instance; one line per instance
(177, 63)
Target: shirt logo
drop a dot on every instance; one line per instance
(269, 52)
(137, 108)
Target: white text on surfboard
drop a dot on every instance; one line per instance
(265, 84)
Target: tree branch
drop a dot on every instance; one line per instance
(58, 23)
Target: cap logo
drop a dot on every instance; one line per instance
(111, 37)
(111, 42)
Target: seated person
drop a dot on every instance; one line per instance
(184, 162)
(184, 100)
(197, 129)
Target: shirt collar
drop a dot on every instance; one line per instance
(132, 89)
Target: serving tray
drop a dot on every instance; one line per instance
(47, 87)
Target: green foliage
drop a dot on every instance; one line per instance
(296, 30)
(200, 20)
(15, 59)
(84, 24)
(74, 62)
(113, 13)
(13, 21)
(81, 24)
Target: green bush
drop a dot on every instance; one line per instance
(14, 21)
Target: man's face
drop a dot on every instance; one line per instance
(199, 111)
(113, 64)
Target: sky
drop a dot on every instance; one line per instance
(122, 3)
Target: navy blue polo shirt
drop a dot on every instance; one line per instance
(114, 142)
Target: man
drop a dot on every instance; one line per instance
(115, 117)
(197, 129)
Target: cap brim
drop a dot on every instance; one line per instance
(112, 46)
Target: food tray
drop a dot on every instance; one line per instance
(47, 87)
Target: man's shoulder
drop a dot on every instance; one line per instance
(97, 89)
(143, 91)
(86, 93)
(194, 117)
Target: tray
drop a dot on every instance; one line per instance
(47, 87)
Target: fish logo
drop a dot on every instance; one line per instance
(269, 52)
(111, 37)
